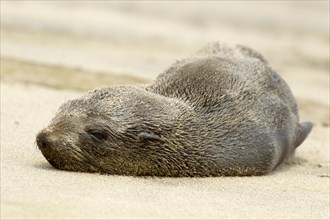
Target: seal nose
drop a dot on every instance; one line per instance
(41, 140)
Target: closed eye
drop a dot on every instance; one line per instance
(96, 135)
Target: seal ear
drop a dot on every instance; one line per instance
(148, 136)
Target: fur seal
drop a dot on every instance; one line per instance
(221, 112)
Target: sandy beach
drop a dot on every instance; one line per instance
(54, 51)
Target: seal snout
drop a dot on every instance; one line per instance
(41, 140)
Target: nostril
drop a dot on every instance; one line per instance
(41, 140)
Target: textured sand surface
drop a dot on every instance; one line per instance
(51, 52)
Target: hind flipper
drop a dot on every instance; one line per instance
(304, 129)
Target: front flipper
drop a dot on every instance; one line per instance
(304, 129)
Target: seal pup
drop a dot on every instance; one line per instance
(221, 112)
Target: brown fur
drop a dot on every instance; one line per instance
(223, 111)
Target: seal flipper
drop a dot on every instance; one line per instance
(304, 129)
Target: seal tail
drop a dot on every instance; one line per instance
(303, 131)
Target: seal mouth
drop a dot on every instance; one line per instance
(68, 160)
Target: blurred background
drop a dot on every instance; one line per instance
(63, 43)
(144, 37)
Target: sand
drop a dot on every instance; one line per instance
(39, 43)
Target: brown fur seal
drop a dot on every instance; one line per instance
(223, 111)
